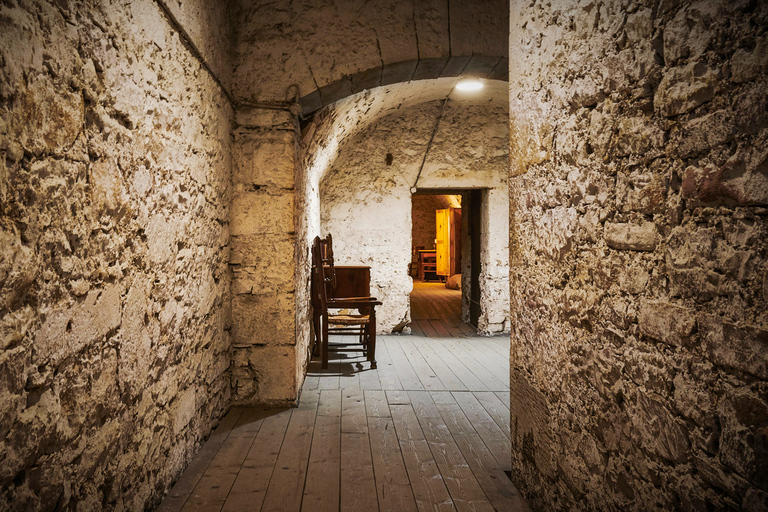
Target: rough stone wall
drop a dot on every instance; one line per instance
(365, 197)
(423, 219)
(114, 194)
(638, 197)
(210, 27)
(270, 300)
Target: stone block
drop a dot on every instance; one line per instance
(733, 182)
(685, 88)
(636, 136)
(666, 322)
(616, 310)
(428, 69)
(18, 267)
(585, 92)
(641, 192)
(368, 79)
(337, 90)
(184, 409)
(267, 319)
(744, 348)
(501, 71)
(136, 355)
(658, 430)
(693, 399)
(262, 212)
(531, 431)
(555, 232)
(265, 159)
(633, 237)
(748, 65)
(634, 278)
(269, 118)
(311, 102)
(601, 128)
(162, 232)
(46, 118)
(702, 134)
(688, 35)
(254, 280)
(264, 375)
(480, 66)
(589, 187)
(66, 332)
(639, 25)
(743, 445)
(108, 192)
(397, 72)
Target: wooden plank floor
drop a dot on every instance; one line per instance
(436, 311)
(428, 430)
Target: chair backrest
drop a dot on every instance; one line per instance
(323, 272)
(326, 251)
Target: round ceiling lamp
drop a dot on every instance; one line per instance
(469, 84)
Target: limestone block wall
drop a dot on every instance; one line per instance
(269, 262)
(365, 198)
(114, 235)
(638, 252)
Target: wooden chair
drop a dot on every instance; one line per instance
(361, 324)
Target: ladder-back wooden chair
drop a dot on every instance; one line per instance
(361, 324)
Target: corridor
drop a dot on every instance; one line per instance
(428, 430)
(436, 311)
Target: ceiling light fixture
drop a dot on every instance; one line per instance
(469, 84)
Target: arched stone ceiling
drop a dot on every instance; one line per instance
(341, 121)
(326, 50)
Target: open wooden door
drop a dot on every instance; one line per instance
(448, 241)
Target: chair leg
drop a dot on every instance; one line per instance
(372, 340)
(324, 348)
(318, 335)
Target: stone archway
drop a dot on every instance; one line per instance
(365, 190)
(289, 60)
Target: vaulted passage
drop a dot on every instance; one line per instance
(165, 165)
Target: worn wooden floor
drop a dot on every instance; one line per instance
(428, 430)
(436, 311)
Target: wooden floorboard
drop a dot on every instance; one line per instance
(252, 481)
(443, 372)
(431, 301)
(485, 467)
(392, 484)
(489, 431)
(321, 490)
(181, 492)
(358, 486)
(495, 409)
(287, 484)
(405, 370)
(465, 491)
(427, 430)
(426, 481)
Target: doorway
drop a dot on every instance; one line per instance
(445, 261)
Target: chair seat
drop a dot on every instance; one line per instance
(349, 319)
